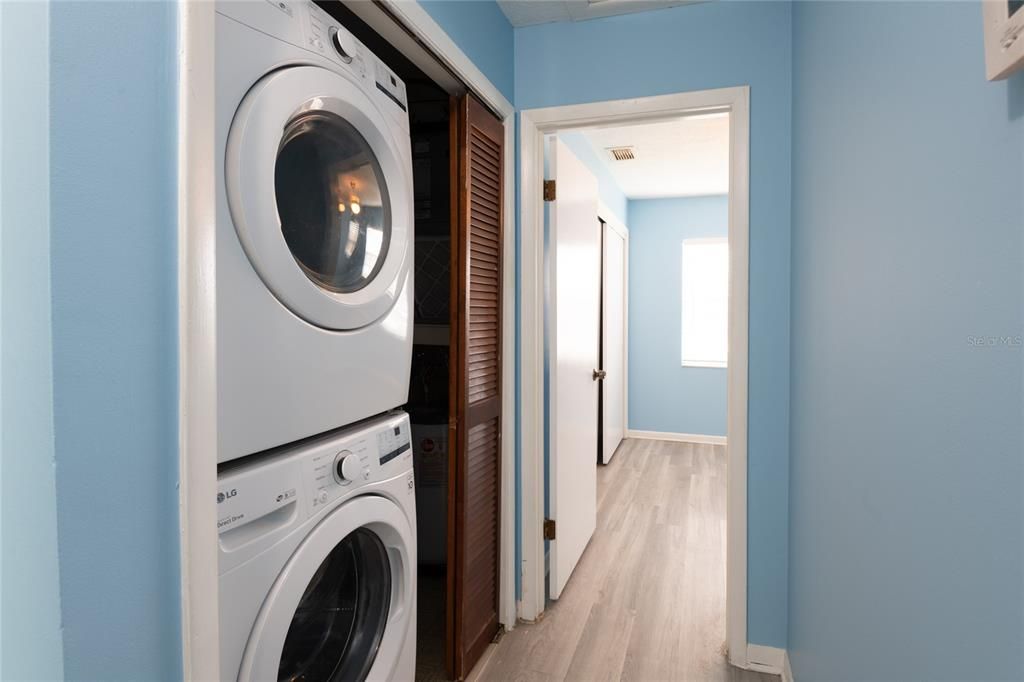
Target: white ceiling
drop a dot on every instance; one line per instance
(530, 12)
(678, 158)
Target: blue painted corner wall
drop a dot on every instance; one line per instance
(483, 32)
(30, 617)
(907, 462)
(663, 395)
(113, 85)
(676, 50)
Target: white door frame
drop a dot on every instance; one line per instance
(534, 124)
(197, 342)
(197, 399)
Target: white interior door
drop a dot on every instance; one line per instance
(613, 342)
(575, 280)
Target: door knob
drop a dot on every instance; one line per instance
(599, 374)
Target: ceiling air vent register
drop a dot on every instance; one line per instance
(622, 153)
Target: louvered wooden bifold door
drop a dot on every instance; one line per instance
(475, 482)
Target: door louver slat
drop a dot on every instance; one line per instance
(476, 339)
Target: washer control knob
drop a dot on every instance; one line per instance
(348, 467)
(344, 44)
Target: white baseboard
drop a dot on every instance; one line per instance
(676, 437)
(766, 659)
(787, 671)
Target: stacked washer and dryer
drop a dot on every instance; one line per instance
(314, 244)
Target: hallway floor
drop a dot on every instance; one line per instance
(647, 600)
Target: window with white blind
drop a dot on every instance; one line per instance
(705, 289)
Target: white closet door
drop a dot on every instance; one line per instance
(613, 342)
(575, 308)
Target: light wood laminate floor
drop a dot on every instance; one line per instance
(647, 600)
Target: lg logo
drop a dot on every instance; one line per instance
(226, 495)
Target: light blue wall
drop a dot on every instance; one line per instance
(664, 395)
(681, 49)
(483, 32)
(30, 634)
(607, 187)
(907, 520)
(114, 278)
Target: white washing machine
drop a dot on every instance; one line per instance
(318, 559)
(314, 236)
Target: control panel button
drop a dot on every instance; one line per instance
(344, 44)
(348, 467)
(322, 496)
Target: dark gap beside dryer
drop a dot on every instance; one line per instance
(428, 406)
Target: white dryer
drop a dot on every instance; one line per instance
(314, 237)
(318, 559)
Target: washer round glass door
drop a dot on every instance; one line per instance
(339, 622)
(320, 195)
(340, 610)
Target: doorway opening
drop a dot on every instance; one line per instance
(671, 179)
(689, 323)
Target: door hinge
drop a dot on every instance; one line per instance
(549, 529)
(549, 190)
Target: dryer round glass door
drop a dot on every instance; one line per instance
(341, 608)
(332, 200)
(320, 192)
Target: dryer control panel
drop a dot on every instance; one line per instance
(327, 37)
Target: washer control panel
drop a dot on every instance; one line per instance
(314, 475)
(261, 500)
(378, 451)
(350, 468)
(244, 498)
